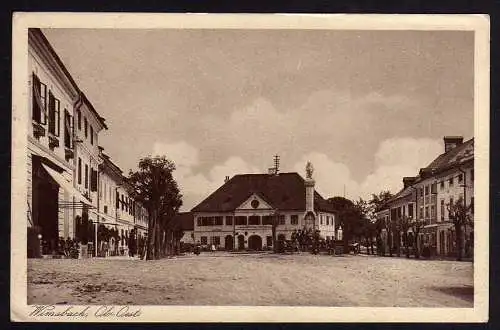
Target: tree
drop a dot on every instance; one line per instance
(349, 217)
(157, 190)
(461, 216)
(378, 200)
(416, 226)
(405, 224)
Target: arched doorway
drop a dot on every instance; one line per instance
(255, 243)
(241, 242)
(228, 242)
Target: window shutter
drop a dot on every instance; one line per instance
(117, 200)
(52, 115)
(93, 178)
(36, 99)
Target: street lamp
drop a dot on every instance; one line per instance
(41, 244)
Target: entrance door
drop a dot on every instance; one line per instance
(48, 216)
(255, 243)
(45, 208)
(241, 242)
(228, 242)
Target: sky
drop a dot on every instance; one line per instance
(365, 107)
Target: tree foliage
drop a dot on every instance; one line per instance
(461, 216)
(158, 191)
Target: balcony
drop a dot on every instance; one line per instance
(38, 130)
(68, 153)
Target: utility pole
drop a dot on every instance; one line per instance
(344, 190)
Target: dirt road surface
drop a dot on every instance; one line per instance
(253, 280)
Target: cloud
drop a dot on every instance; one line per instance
(394, 159)
(196, 186)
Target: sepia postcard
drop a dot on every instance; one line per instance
(250, 168)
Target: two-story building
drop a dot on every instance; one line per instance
(239, 215)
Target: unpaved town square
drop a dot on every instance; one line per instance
(253, 280)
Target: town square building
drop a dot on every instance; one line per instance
(427, 197)
(53, 199)
(239, 215)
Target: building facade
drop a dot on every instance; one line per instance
(447, 179)
(239, 215)
(52, 200)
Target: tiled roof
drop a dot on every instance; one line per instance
(285, 191)
(184, 220)
(455, 156)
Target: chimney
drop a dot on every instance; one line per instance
(451, 142)
(408, 181)
(226, 179)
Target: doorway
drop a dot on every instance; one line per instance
(228, 243)
(241, 242)
(255, 243)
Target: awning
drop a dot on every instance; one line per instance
(66, 185)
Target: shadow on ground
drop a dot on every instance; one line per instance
(463, 292)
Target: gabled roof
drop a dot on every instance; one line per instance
(284, 191)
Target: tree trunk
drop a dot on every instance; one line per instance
(458, 238)
(151, 236)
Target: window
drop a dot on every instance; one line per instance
(460, 178)
(254, 220)
(451, 201)
(122, 200)
(434, 188)
(426, 190)
(39, 100)
(421, 192)
(433, 211)
(327, 220)
(117, 199)
(198, 221)
(321, 219)
(54, 117)
(267, 220)
(79, 170)
(86, 176)
(269, 240)
(282, 220)
(410, 210)
(240, 220)
(68, 129)
(441, 185)
(203, 240)
(215, 240)
(472, 205)
(218, 220)
(442, 209)
(472, 175)
(450, 182)
(79, 117)
(91, 135)
(229, 220)
(93, 180)
(426, 212)
(105, 209)
(421, 215)
(85, 127)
